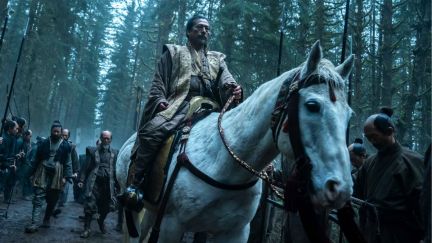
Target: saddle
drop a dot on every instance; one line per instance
(199, 108)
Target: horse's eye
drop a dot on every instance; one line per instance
(313, 106)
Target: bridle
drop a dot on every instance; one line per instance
(296, 193)
(287, 104)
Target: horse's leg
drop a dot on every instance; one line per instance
(171, 230)
(233, 236)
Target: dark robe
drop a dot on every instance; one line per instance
(8, 150)
(63, 168)
(175, 83)
(391, 180)
(89, 173)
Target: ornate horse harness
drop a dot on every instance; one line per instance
(295, 195)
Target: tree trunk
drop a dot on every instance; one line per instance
(374, 99)
(422, 70)
(182, 6)
(165, 21)
(358, 67)
(387, 53)
(3, 13)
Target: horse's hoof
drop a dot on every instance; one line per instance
(85, 234)
(31, 229)
(102, 226)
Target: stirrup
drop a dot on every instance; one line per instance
(132, 199)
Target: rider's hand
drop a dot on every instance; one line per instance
(237, 92)
(74, 175)
(80, 184)
(163, 106)
(20, 155)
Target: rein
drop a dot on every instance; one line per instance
(262, 175)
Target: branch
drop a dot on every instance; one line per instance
(424, 92)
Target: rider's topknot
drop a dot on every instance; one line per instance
(386, 110)
(383, 121)
(358, 148)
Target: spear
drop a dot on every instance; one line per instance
(4, 27)
(344, 40)
(345, 31)
(14, 75)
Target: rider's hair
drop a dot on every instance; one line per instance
(8, 124)
(191, 21)
(358, 148)
(383, 121)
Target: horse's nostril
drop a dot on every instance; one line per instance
(332, 185)
(332, 189)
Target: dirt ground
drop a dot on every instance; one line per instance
(67, 227)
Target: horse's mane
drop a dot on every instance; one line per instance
(266, 93)
(327, 73)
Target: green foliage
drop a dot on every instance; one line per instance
(83, 61)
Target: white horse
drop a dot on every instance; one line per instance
(195, 206)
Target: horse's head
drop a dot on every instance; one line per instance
(323, 116)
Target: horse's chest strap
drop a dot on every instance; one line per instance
(183, 159)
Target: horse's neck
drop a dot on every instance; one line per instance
(247, 127)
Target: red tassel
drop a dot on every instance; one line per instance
(285, 127)
(332, 93)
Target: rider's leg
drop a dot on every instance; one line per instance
(150, 137)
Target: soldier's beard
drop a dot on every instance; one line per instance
(200, 41)
(55, 138)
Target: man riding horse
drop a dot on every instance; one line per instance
(183, 72)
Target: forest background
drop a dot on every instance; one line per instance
(90, 64)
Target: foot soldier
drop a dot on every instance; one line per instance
(75, 168)
(100, 182)
(9, 154)
(51, 168)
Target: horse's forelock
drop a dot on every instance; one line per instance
(326, 71)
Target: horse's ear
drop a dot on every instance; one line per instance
(345, 68)
(313, 60)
